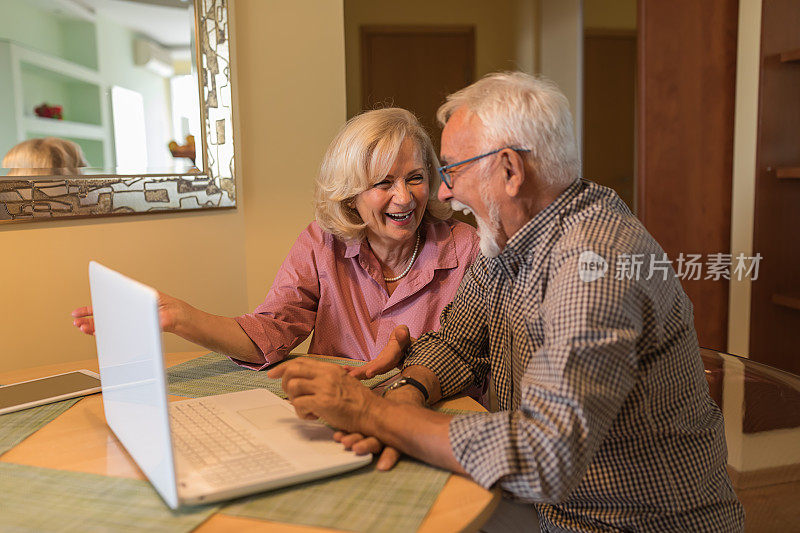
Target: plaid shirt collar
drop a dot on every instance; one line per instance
(521, 245)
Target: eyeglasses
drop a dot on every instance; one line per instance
(444, 171)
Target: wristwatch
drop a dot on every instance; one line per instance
(405, 380)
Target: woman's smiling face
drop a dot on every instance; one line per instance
(393, 208)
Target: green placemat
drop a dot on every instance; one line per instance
(16, 427)
(448, 411)
(216, 374)
(42, 499)
(364, 500)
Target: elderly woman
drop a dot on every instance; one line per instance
(381, 252)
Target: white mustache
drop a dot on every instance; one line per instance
(455, 205)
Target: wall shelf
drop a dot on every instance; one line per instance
(784, 300)
(788, 173)
(64, 128)
(57, 65)
(790, 55)
(29, 77)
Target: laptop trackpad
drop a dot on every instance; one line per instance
(273, 417)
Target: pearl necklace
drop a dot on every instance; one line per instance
(408, 268)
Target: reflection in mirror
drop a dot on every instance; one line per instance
(113, 78)
(127, 97)
(43, 157)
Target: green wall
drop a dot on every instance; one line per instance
(24, 23)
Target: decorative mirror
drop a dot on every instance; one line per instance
(115, 107)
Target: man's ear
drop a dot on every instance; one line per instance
(513, 168)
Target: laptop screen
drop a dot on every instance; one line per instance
(129, 354)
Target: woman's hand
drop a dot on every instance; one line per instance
(84, 320)
(390, 357)
(217, 333)
(172, 314)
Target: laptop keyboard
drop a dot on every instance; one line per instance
(221, 452)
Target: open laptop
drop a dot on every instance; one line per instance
(205, 449)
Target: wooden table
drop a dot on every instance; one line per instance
(79, 440)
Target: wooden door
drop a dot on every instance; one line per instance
(609, 97)
(415, 68)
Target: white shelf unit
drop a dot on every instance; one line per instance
(64, 128)
(92, 130)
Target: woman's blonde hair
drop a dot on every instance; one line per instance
(40, 157)
(360, 155)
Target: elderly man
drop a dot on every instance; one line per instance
(606, 422)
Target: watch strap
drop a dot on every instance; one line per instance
(405, 380)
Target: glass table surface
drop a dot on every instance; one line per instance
(761, 406)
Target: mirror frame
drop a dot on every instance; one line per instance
(41, 198)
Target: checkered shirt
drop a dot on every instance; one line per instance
(606, 422)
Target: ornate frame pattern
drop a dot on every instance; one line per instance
(50, 197)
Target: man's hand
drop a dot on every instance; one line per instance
(390, 357)
(325, 390)
(361, 444)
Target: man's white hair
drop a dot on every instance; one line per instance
(523, 111)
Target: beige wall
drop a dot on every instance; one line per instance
(745, 130)
(504, 32)
(197, 256)
(290, 64)
(290, 99)
(561, 52)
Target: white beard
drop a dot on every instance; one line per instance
(488, 243)
(486, 230)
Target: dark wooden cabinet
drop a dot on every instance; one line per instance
(775, 296)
